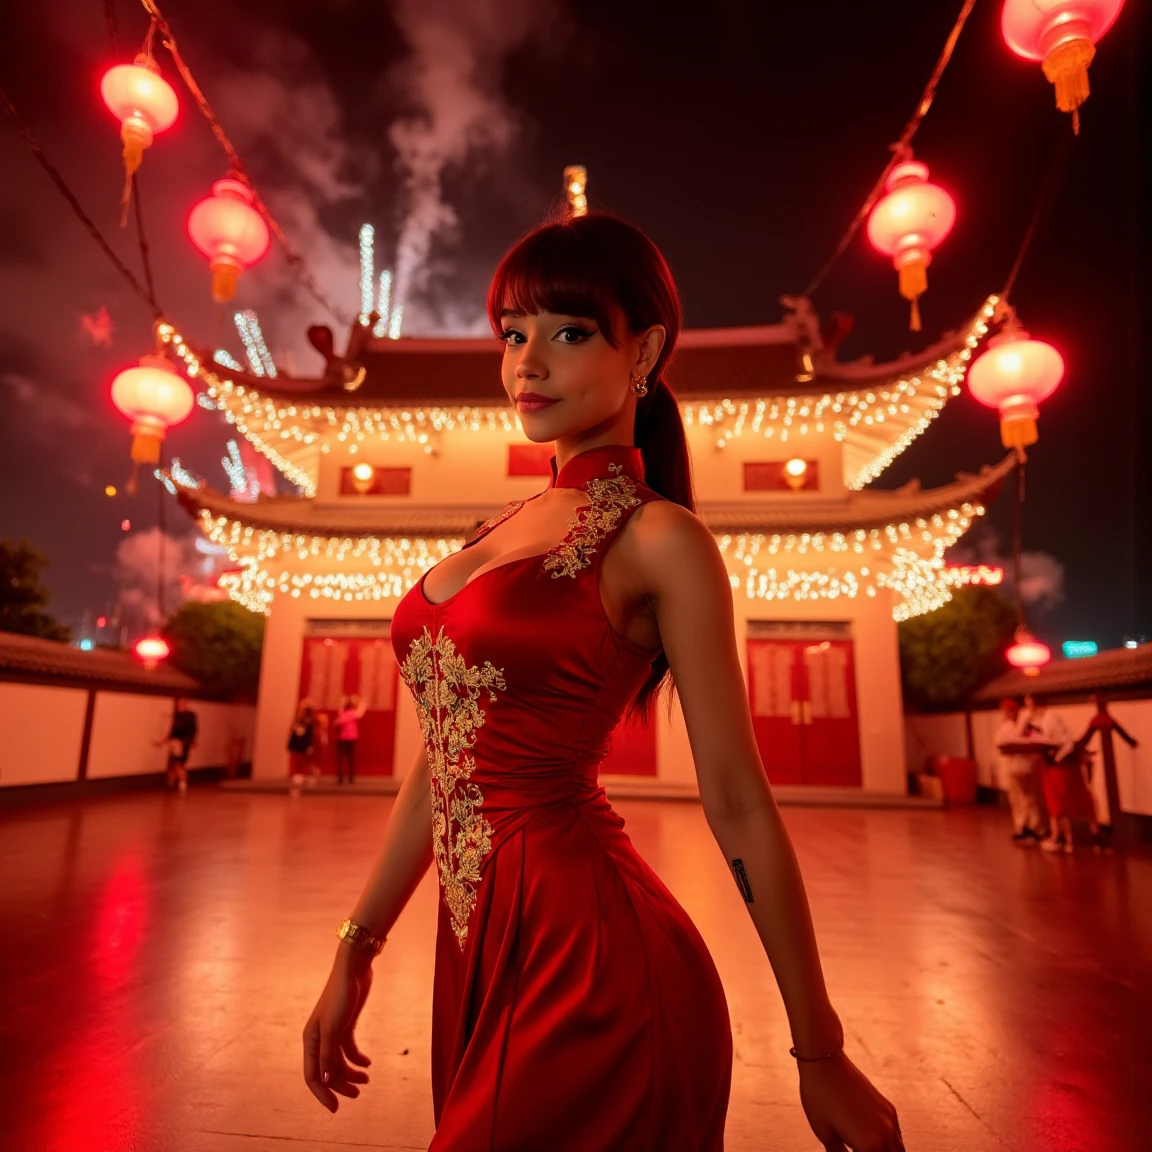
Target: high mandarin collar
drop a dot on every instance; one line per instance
(599, 464)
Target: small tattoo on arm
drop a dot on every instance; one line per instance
(742, 880)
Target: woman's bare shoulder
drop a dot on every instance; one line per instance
(669, 542)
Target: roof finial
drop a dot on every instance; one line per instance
(576, 188)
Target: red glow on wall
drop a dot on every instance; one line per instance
(530, 459)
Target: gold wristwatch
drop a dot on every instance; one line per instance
(360, 938)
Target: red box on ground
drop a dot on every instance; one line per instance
(957, 777)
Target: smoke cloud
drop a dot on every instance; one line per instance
(456, 113)
(186, 571)
(1041, 574)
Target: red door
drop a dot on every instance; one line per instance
(803, 701)
(773, 693)
(337, 666)
(828, 715)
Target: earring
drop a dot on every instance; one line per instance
(640, 385)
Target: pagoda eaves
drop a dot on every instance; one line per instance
(775, 382)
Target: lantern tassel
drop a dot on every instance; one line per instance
(913, 285)
(135, 141)
(224, 277)
(1066, 68)
(1019, 432)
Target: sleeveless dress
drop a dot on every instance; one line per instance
(575, 1006)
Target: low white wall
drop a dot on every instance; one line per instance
(41, 732)
(944, 735)
(125, 729)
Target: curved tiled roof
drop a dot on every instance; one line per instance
(765, 361)
(351, 518)
(51, 660)
(1115, 669)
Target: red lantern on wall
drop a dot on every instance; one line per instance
(150, 650)
(1014, 375)
(1062, 34)
(907, 223)
(154, 398)
(144, 103)
(1027, 653)
(230, 232)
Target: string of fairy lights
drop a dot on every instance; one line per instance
(895, 562)
(915, 399)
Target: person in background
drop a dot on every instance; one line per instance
(1018, 776)
(347, 725)
(1106, 724)
(302, 746)
(1065, 791)
(181, 739)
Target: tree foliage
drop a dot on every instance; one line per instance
(23, 598)
(219, 643)
(946, 654)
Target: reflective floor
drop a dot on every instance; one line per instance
(160, 955)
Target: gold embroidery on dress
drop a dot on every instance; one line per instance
(447, 694)
(607, 501)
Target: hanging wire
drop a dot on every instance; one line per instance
(1048, 189)
(144, 249)
(145, 260)
(899, 150)
(81, 215)
(110, 17)
(291, 255)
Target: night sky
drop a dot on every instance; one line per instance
(741, 136)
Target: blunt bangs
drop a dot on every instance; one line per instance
(554, 270)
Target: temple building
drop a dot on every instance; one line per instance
(405, 445)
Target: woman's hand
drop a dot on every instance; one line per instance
(845, 1111)
(329, 1046)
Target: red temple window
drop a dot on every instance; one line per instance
(365, 480)
(792, 475)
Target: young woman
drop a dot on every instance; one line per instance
(347, 725)
(576, 1007)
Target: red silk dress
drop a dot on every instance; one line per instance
(576, 1007)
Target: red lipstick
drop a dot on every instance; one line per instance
(533, 402)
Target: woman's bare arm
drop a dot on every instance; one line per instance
(333, 1062)
(693, 600)
(404, 857)
(686, 580)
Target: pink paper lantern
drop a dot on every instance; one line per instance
(1027, 653)
(1013, 376)
(154, 397)
(144, 103)
(907, 223)
(230, 232)
(1062, 34)
(150, 650)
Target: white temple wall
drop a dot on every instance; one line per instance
(469, 468)
(718, 473)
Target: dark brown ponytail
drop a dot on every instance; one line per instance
(591, 266)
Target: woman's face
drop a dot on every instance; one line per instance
(565, 379)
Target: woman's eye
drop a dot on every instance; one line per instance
(510, 336)
(573, 335)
